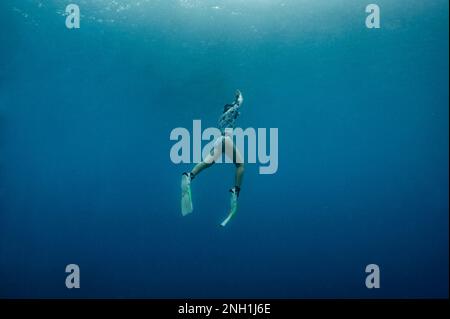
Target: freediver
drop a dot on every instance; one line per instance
(223, 144)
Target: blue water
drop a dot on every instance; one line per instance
(86, 177)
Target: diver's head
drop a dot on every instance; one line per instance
(237, 93)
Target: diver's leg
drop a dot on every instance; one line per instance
(186, 195)
(209, 160)
(233, 153)
(200, 167)
(239, 175)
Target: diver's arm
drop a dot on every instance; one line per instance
(239, 98)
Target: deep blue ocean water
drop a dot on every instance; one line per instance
(86, 177)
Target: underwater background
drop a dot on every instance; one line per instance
(86, 176)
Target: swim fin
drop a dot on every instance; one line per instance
(233, 207)
(186, 196)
